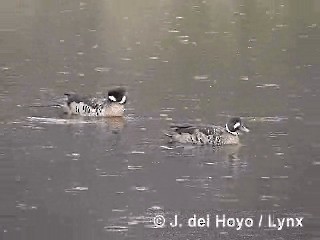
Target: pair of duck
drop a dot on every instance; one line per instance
(113, 106)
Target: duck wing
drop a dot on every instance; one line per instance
(205, 129)
(185, 128)
(211, 130)
(91, 102)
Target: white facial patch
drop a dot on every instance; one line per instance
(123, 100)
(236, 125)
(112, 98)
(228, 130)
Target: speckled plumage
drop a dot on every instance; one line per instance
(111, 106)
(208, 135)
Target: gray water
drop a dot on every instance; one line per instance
(181, 61)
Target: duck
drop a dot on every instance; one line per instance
(208, 134)
(110, 106)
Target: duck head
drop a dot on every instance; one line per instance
(235, 126)
(117, 96)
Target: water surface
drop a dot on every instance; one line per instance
(181, 61)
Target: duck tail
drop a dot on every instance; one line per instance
(168, 134)
(44, 106)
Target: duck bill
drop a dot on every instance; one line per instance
(244, 129)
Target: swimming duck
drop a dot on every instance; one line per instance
(111, 106)
(208, 135)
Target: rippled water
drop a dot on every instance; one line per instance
(181, 61)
